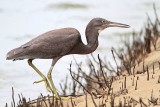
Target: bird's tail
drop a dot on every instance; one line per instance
(14, 54)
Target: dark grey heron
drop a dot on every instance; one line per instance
(57, 43)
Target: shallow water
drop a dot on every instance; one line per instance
(21, 21)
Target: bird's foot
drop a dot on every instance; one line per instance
(46, 84)
(35, 82)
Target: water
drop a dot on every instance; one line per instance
(22, 20)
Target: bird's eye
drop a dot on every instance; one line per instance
(103, 21)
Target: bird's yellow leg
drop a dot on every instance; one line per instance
(49, 75)
(43, 77)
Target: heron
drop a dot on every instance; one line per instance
(57, 43)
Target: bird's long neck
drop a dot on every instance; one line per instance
(92, 40)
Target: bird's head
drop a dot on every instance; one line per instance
(100, 24)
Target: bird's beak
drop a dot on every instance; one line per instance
(115, 24)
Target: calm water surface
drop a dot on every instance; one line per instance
(22, 20)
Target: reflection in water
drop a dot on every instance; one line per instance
(20, 21)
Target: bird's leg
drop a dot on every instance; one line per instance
(49, 75)
(43, 77)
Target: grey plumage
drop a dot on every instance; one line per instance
(48, 45)
(62, 42)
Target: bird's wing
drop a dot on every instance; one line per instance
(51, 44)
